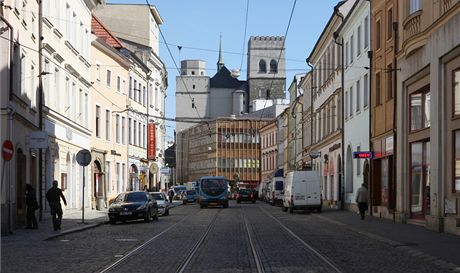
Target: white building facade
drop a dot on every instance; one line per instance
(355, 34)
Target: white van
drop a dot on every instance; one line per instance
(302, 190)
(276, 191)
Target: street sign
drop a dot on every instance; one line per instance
(84, 157)
(7, 150)
(38, 140)
(362, 155)
(164, 170)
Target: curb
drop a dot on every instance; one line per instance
(395, 244)
(74, 230)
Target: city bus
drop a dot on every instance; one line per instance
(213, 191)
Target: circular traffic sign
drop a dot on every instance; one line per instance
(7, 150)
(84, 157)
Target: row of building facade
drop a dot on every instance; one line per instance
(379, 107)
(77, 75)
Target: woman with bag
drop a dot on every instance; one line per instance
(32, 205)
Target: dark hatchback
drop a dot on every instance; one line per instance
(246, 195)
(132, 206)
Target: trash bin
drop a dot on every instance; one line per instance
(100, 204)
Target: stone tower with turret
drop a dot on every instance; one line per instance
(266, 75)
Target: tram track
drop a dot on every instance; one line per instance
(330, 266)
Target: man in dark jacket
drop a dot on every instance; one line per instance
(54, 196)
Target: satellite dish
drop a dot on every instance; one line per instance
(235, 73)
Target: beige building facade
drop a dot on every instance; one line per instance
(109, 145)
(428, 125)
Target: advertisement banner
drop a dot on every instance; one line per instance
(151, 142)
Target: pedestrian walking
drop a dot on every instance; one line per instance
(362, 200)
(54, 196)
(32, 206)
(171, 195)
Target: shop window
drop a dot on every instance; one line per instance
(456, 186)
(420, 114)
(456, 88)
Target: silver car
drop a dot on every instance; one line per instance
(162, 202)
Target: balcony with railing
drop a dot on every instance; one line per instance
(412, 25)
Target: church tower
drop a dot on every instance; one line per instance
(266, 75)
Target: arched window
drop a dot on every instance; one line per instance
(262, 66)
(273, 66)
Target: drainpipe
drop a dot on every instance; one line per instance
(395, 100)
(40, 107)
(311, 109)
(342, 121)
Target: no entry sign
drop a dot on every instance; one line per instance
(7, 150)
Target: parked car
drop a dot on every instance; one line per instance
(189, 196)
(162, 201)
(132, 206)
(246, 195)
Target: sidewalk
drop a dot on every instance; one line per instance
(417, 240)
(71, 222)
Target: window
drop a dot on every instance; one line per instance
(117, 128)
(32, 86)
(346, 104)
(109, 77)
(108, 178)
(273, 66)
(23, 75)
(366, 90)
(118, 83)
(352, 50)
(98, 121)
(351, 101)
(68, 15)
(139, 141)
(135, 133)
(123, 120)
(420, 177)
(358, 96)
(389, 24)
(130, 130)
(144, 96)
(72, 105)
(389, 81)
(86, 109)
(366, 32)
(57, 87)
(130, 87)
(414, 6)
(262, 66)
(420, 116)
(80, 105)
(456, 185)
(358, 41)
(67, 92)
(346, 54)
(377, 35)
(377, 89)
(456, 88)
(107, 124)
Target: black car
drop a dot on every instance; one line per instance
(246, 195)
(132, 206)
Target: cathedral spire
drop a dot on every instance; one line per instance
(220, 62)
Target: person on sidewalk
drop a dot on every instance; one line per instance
(361, 199)
(54, 196)
(32, 206)
(171, 195)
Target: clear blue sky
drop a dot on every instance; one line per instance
(197, 24)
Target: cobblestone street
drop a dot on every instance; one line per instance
(217, 240)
